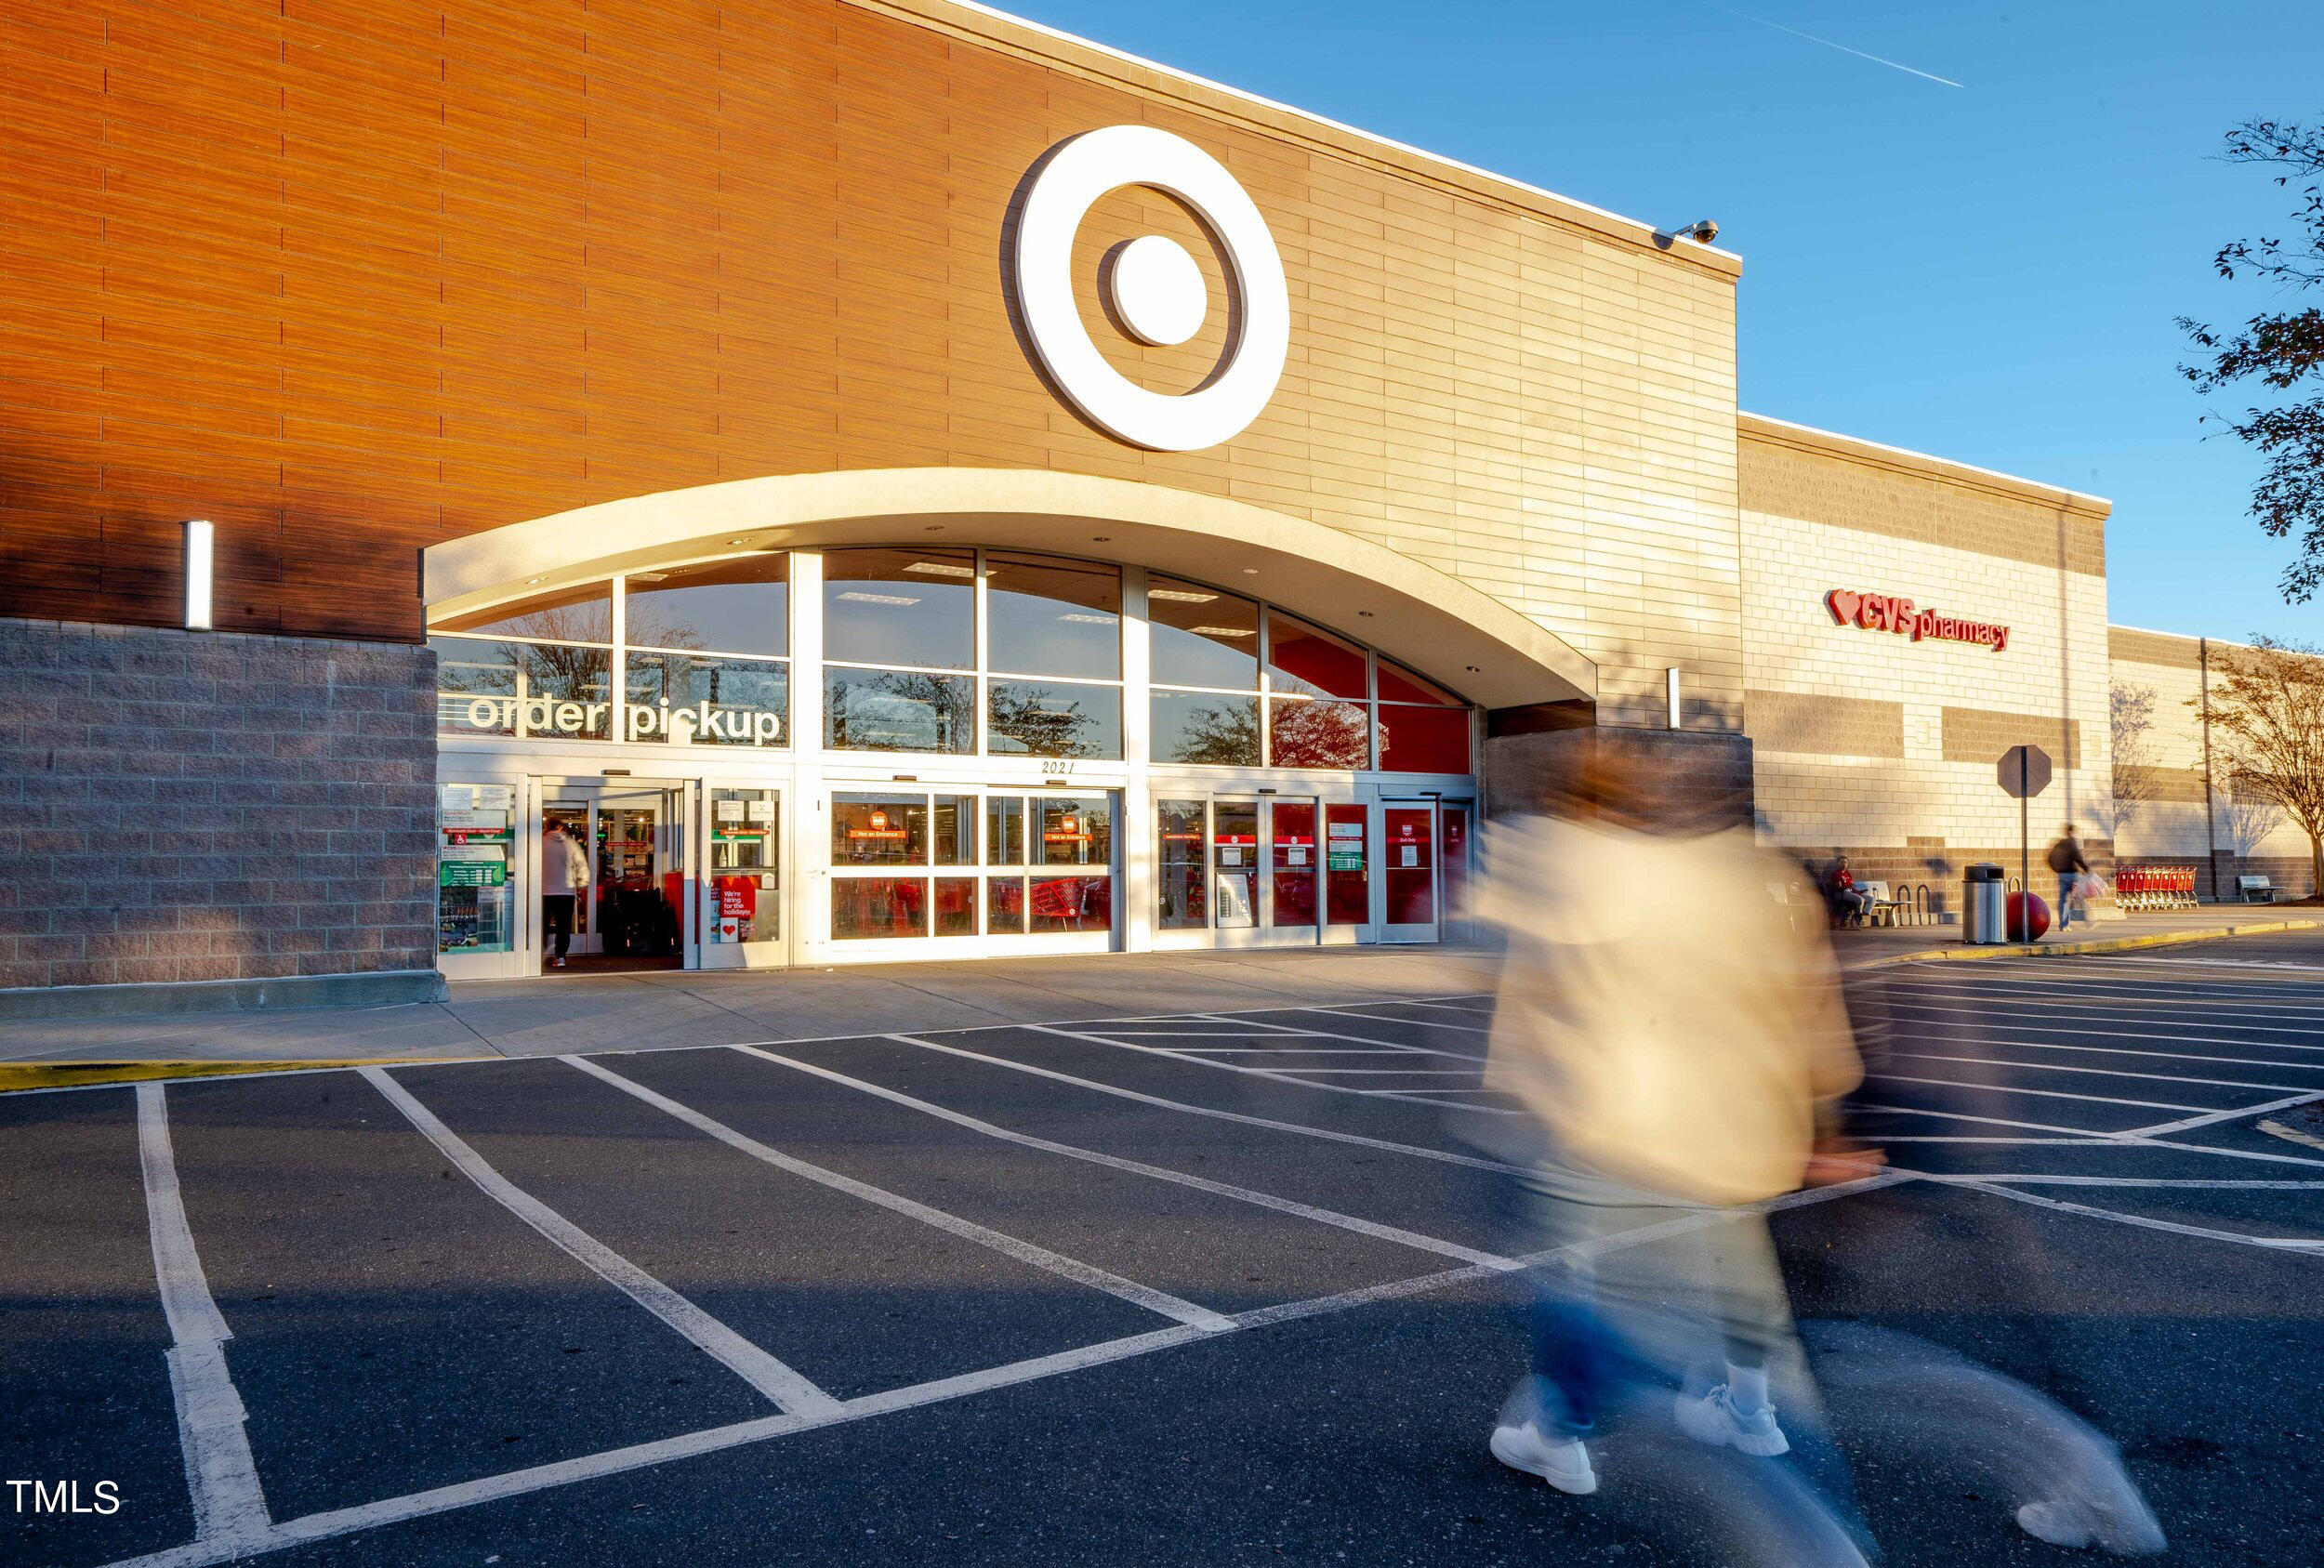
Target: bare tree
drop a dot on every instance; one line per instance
(2244, 817)
(2130, 715)
(2269, 701)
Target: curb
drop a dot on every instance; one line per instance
(1964, 955)
(17, 1078)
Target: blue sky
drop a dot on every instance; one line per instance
(1988, 271)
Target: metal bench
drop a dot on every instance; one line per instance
(1882, 909)
(2256, 889)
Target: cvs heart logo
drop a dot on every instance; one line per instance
(1843, 605)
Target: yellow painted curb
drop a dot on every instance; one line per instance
(2111, 945)
(19, 1075)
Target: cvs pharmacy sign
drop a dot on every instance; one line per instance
(1874, 612)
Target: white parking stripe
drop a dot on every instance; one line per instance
(790, 1392)
(1094, 1039)
(2122, 995)
(2132, 1139)
(1416, 1022)
(1330, 1134)
(2100, 1072)
(2094, 1024)
(2203, 1121)
(2197, 1182)
(1982, 1184)
(1039, 1257)
(2135, 1050)
(1073, 1152)
(2045, 1094)
(213, 1431)
(565, 1472)
(1382, 1045)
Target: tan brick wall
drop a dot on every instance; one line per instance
(1810, 722)
(1981, 735)
(2129, 645)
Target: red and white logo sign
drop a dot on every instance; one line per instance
(1875, 611)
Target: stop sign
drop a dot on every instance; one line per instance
(2024, 771)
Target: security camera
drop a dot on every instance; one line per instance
(1701, 233)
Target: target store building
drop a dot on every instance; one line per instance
(892, 481)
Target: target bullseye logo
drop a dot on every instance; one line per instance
(1154, 287)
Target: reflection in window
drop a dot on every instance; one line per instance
(1072, 903)
(740, 605)
(955, 820)
(1004, 829)
(1045, 616)
(1205, 727)
(1052, 719)
(1423, 740)
(898, 710)
(879, 906)
(900, 607)
(1181, 884)
(879, 830)
(1202, 637)
(1318, 734)
(574, 615)
(692, 699)
(1007, 916)
(956, 906)
(1076, 829)
(1313, 662)
(547, 689)
(1402, 686)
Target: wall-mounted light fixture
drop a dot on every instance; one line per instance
(200, 542)
(1675, 717)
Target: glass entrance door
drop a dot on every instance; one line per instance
(1294, 876)
(1412, 907)
(611, 888)
(742, 881)
(1234, 853)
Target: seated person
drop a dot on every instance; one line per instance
(1847, 901)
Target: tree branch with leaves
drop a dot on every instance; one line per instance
(2267, 700)
(2280, 354)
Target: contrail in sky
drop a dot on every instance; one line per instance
(1893, 65)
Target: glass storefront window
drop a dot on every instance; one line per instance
(1045, 616)
(1347, 891)
(900, 607)
(1315, 664)
(552, 689)
(1072, 903)
(879, 829)
(1411, 872)
(1235, 845)
(582, 613)
(1423, 740)
(898, 710)
(1201, 637)
(954, 821)
(956, 906)
(1004, 829)
(1007, 906)
(1052, 719)
(1179, 866)
(1402, 686)
(1208, 727)
(1076, 829)
(1293, 850)
(864, 907)
(745, 899)
(699, 700)
(739, 605)
(1308, 734)
(474, 913)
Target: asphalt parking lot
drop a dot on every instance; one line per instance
(1200, 1288)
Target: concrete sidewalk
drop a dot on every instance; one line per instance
(1895, 943)
(667, 1008)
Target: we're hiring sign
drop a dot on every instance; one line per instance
(1874, 612)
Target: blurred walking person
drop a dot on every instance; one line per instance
(565, 877)
(1674, 1043)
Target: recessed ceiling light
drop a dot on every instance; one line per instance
(1181, 596)
(738, 541)
(878, 598)
(1250, 570)
(941, 568)
(1088, 620)
(647, 576)
(1224, 631)
(529, 581)
(1365, 614)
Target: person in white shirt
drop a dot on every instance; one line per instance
(564, 874)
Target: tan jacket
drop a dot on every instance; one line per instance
(1657, 1012)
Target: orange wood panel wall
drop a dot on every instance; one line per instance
(348, 277)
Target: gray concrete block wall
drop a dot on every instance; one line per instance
(181, 805)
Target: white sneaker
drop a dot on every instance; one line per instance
(2126, 1528)
(1713, 1418)
(1562, 1462)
